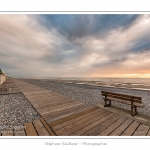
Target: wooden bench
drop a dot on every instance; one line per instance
(134, 101)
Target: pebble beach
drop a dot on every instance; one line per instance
(15, 110)
(91, 94)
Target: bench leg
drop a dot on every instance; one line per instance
(107, 104)
(133, 110)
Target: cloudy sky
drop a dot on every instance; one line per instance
(75, 45)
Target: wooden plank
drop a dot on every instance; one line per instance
(57, 115)
(51, 115)
(124, 99)
(30, 130)
(142, 130)
(54, 123)
(126, 113)
(104, 115)
(7, 133)
(131, 129)
(47, 105)
(51, 132)
(51, 110)
(40, 128)
(121, 95)
(96, 128)
(112, 127)
(41, 95)
(51, 97)
(72, 120)
(68, 113)
(60, 112)
(61, 106)
(121, 128)
(79, 122)
(36, 91)
(125, 102)
(148, 134)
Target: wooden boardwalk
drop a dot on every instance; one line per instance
(62, 116)
(36, 128)
(8, 87)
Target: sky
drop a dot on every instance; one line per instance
(75, 45)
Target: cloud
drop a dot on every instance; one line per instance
(22, 42)
(74, 45)
(76, 26)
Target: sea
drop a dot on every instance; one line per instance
(133, 83)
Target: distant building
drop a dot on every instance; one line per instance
(3, 76)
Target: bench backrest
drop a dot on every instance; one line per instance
(122, 97)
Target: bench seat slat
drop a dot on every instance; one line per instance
(121, 95)
(124, 98)
(127, 97)
(125, 102)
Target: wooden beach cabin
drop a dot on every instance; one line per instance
(3, 76)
